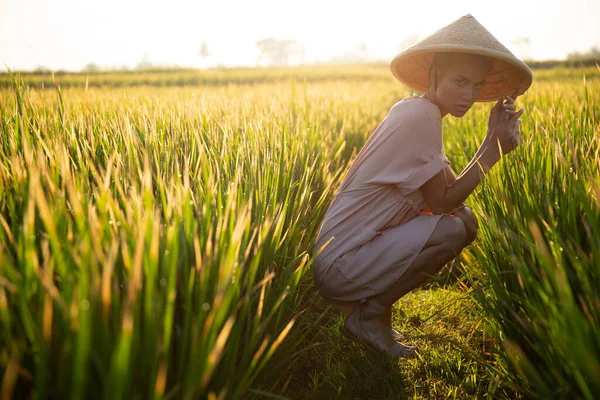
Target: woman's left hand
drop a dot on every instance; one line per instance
(501, 112)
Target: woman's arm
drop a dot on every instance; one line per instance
(443, 197)
(463, 211)
(450, 177)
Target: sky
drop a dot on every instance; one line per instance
(70, 34)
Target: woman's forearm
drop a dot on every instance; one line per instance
(458, 191)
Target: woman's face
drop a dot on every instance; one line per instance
(458, 86)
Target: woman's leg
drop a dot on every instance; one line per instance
(445, 243)
(365, 325)
(345, 307)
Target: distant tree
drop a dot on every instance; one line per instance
(144, 63)
(278, 51)
(364, 50)
(41, 69)
(91, 67)
(594, 52)
(302, 54)
(204, 52)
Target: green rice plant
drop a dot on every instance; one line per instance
(155, 244)
(180, 77)
(539, 247)
(211, 77)
(155, 237)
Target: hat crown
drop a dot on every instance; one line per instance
(465, 31)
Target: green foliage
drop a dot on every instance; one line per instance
(211, 77)
(181, 77)
(574, 61)
(539, 281)
(454, 344)
(154, 241)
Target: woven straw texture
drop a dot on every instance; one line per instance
(465, 35)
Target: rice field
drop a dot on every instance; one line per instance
(155, 242)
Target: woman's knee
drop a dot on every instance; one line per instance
(470, 222)
(451, 232)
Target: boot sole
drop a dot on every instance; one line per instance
(372, 349)
(354, 338)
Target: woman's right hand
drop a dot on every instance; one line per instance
(469, 220)
(503, 126)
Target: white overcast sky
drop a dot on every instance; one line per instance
(68, 34)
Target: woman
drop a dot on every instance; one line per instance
(399, 215)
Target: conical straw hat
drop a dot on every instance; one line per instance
(465, 35)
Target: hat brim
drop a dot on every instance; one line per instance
(508, 73)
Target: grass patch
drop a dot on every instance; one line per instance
(454, 345)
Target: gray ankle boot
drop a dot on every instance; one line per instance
(364, 326)
(386, 322)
